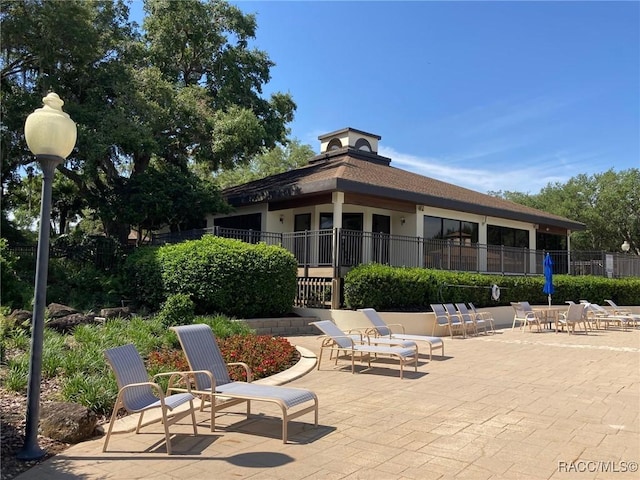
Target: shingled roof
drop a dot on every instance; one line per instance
(354, 171)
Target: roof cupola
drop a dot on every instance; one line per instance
(349, 138)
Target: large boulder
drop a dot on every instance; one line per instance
(67, 422)
(57, 310)
(69, 322)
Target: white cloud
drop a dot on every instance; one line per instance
(524, 175)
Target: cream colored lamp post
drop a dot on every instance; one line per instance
(51, 136)
(625, 246)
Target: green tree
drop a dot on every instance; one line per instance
(607, 203)
(184, 89)
(277, 160)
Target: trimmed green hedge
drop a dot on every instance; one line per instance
(398, 288)
(220, 275)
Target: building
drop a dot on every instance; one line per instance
(349, 205)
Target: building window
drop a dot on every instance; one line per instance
(458, 231)
(362, 144)
(508, 237)
(334, 144)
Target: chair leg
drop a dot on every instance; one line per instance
(193, 418)
(114, 415)
(165, 424)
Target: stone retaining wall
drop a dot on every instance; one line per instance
(283, 326)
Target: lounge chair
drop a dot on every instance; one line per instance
(338, 341)
(444, 319)
(623, 311)
(467, 320)
(525, 316)
(136, 394)
(203, 354)
(381, 330)
(486, 317)
(572, 317)
(601, 315)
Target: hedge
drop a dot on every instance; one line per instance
(414, 289)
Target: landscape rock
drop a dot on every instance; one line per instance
(67, 422)
(19, 318)
(68, 323)
(115, 312)
(57, 310)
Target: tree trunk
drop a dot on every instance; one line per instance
(117, 230)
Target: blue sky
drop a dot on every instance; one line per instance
(486, 95)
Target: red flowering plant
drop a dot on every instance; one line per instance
(264, 354)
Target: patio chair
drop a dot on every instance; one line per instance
(467, 320)
(136, 394)
(444, 319)
(468, 314)
(523, 316)
(572, 317)
(215, 386)
(335, 340)
(484, 316)
(381, 330)
(601, 315)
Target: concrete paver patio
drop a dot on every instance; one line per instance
(515, 405)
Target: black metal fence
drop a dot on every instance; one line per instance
(348, 248)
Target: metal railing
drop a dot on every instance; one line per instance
(348, 248)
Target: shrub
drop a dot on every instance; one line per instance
(143, 277)
(264, 354)
(81, 285)
(220, 275)
(17, 290)
(179, 309)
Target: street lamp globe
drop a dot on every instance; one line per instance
(49, 130)
(625, 246)
(51, 135)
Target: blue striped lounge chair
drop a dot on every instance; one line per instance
(338, 341)
(382, 329)
(214, 384)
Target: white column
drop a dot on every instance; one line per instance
(337, 198)
(569, 251)
(532, 250)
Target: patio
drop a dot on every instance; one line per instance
(512, 405)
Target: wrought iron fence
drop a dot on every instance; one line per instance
(348, 248)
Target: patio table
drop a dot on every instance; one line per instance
(550, 314)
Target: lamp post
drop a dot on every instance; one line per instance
(625, 246)
(51, 135)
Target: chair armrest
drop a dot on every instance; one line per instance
(246, 367)
(389, 325)
(359, 331)
(153, 386)
(186, 376)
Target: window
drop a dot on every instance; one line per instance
(362, 144)
(459, 232)
(334, 144)
(509, 237)
(449, 243)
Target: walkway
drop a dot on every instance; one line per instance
(517, 405)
